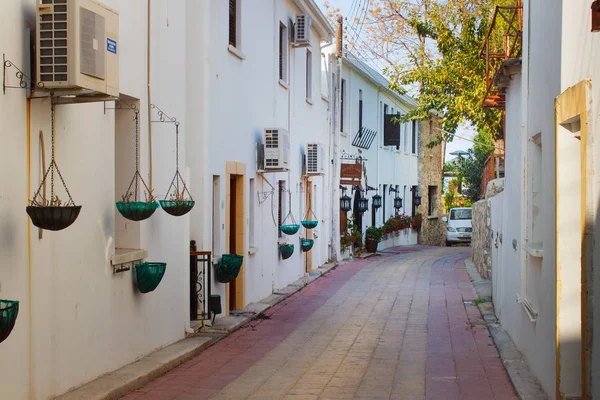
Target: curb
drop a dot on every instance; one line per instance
(117, 384)
(524, 381)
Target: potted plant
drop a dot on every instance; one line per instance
(137, 210)
(9, 309)
(53, 214)
(417, 221)
(148, 275)
(178, 204)
(372, 239)
(228, 267)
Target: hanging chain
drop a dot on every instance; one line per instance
(177, 154)
(52, 130)
(137, 152)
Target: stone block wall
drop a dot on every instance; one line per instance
(431, 173)
(481, 239)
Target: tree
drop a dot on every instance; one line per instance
(470, 169)
(431, 48)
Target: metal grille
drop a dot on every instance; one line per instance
(464, 229)
(271, 148)
(364, 138)
(301, 28)
(53, 42)
(92, 42)
(312, 155)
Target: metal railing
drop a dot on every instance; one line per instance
(492, 169)
(200, 277)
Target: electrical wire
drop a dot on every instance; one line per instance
(470, 140)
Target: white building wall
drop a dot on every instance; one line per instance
(77, 319)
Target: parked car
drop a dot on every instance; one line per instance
(459, 228)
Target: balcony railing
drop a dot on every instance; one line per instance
(501, 47)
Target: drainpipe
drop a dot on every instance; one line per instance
(335, 181)
(149, 100)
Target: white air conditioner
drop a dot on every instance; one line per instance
(314, 159)
(302, 30)
(77, 46)
(277, 150)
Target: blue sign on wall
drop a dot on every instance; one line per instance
(111, 46)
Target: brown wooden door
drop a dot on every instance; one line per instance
(232, 235)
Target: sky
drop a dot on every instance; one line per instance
(465, 131)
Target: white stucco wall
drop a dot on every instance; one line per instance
(77, 319)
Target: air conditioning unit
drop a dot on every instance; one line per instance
(314, 159)
(302, 30)
(277, 149)
(77, 46)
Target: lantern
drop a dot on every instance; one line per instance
(596, 16)
(417, 200)
(397, 203)
(376, 201)
(363, 204)
(345, 203)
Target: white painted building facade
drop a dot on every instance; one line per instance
(544, 222)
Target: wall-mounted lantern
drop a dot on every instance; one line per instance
(417, 200)
(345, 201)
(596, 16)
(397, 203)
(376, 201)
(363, 204)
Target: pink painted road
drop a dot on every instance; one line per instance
(399, 326)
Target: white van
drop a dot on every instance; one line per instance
(459, 228)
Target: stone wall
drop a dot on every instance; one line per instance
(431, 173)
(482, 233)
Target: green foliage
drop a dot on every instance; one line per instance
(374, 233)
(470, 169)
(352, 237)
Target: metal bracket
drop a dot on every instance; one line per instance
(120, 106)
(25, 81)
(263, 196)
(352, 157)
(163, 117)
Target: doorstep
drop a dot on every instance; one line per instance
(524, 381)
(117, 384)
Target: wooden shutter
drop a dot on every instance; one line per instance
(281, 32)
(360, 115)
(391, 131)
(414, 136)
(233, 22)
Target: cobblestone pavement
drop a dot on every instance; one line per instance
(398, 326)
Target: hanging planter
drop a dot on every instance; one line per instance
(228, 267)
(307, 244)
(52, 214)
(292, 227)
(310, 223)
(148, 275)
(9, 309)
(286, 250)
(178, 200)
(130, 207)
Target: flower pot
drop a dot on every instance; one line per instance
(307, 244)
(286, 250)
(371, 245)
(53, 218)
(9, 309)
(416, 224)
(177, 208)
(137, 210)
(289, 229)
(310, 224)
(228, 267)
(148, 275)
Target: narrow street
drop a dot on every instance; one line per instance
(399, 326)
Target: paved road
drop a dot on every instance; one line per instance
(399, 326)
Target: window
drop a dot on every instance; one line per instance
(283, 52)
(234, 23)
(385, 194)
(431, 200)
(342, 105)
(406, 127)
(415, 126)
(391, 131)
(308, 74)
(360, 110)
(461, 214)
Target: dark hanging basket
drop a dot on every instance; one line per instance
(310, 224)
(137, 210)
(177, 208)
(289, 229)
(149, 275)
(228, 267)
(9, 309)
(286, 250)
(307, 244)
(53, 218)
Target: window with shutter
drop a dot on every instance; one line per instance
(233, 23)
(360, 110)
(342, 104)
(283, 52)
(415, 126)
(391, 131)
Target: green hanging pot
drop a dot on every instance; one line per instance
(149, 275)
(137, 210)
(290, 229)
(286, 250)
(9, 309)
(307, 244)
(177, 208)
(228, 267)
(310, 224)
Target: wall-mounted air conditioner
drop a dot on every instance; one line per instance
(302, 30)
(276, 150)
(77, 46)
(314, 159)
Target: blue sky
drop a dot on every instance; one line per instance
(456, 144)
